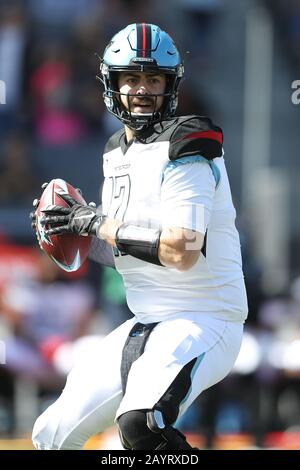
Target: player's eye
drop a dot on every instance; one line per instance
(132, 81)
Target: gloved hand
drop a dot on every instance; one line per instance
(77, 218)
(35, 204)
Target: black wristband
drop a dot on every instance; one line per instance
(140, 242)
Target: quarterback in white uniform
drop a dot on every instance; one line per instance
(167, 224)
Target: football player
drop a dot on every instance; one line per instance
(169, 222)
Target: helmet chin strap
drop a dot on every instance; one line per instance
(138, 122)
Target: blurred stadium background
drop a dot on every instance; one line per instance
(241, 59)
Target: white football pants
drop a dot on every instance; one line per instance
(92, 398)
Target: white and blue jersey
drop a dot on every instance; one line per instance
(175, 176)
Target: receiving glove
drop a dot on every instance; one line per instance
(77, 218)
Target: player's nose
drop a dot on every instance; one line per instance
(142, 89)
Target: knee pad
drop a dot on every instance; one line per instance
(146, 430)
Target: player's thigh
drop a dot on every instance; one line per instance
(90, 398)
(96, 377)
(207, 348)
(215, 363)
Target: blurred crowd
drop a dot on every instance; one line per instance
(54, 125)
(287, 16)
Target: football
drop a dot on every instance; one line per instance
(68, 251)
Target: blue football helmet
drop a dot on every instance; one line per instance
(141, 47)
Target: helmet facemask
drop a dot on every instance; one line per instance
(137, 121)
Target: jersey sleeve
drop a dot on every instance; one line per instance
(187, 194)
(196, 135)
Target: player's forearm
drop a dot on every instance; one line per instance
(173, 247)
(135, 240)
(108, 229)
(179, 248)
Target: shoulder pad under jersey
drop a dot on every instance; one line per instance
(195, 135)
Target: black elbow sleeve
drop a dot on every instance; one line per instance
(140, 242)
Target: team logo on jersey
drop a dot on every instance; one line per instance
(122, 167)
